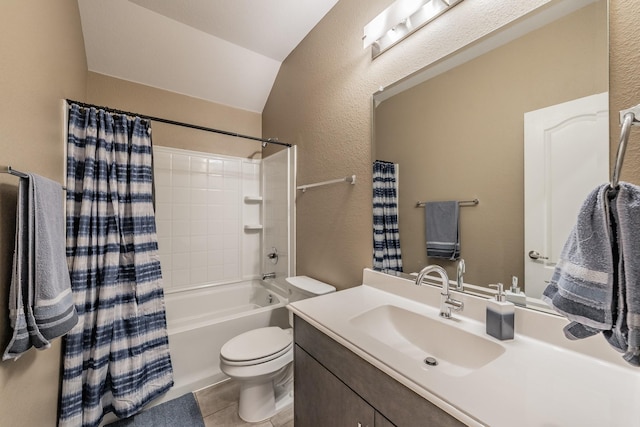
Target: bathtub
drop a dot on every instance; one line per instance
(200, 321)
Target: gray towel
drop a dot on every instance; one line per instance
(581, 287)
(627, 210)
(442, 229)
(595, 284)
(41, 304)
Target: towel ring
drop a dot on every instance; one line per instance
(628, 119)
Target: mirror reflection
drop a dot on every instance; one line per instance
(460, 136)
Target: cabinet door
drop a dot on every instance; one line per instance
(396, 404)
(323, 400)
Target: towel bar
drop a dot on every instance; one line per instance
(350, 179)
(14, 172)
(461, 203)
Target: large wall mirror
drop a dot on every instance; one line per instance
(456, 130)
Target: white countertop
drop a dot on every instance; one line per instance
(534, 383)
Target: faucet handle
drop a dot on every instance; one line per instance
(461, 269)
(454, 304)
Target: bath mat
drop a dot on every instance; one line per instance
(182, 411)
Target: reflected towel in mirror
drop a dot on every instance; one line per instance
(442, 228)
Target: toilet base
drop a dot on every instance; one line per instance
(260, 400)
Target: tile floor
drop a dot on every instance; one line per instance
(219, 407)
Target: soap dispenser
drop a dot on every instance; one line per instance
(500, 315)
(515, 295)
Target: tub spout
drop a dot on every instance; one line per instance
(266, 276)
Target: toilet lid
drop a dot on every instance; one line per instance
(256, 344)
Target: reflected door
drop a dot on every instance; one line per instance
(566, 152)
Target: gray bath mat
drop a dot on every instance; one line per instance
(182, 411)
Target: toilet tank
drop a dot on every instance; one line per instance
(302, 287)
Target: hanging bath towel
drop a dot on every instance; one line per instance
(442, 229)
(596, 282)
(582, 285)
(41, 305)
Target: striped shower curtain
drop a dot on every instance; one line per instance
(116, 359)
(386, 237)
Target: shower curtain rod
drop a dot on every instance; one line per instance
(186, 125)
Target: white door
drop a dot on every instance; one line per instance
(566, 152)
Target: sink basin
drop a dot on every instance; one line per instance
(418, 336)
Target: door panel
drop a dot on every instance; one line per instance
(566, 152)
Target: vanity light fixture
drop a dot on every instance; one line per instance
(401, 19)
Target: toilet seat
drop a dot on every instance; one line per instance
(257, 346)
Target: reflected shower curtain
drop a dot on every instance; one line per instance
(386, 238)
(116, 359)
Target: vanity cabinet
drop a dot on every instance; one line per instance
(324, 400)
(335, 387)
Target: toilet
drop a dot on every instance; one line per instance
(261, 359)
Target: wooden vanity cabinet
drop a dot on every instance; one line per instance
(335, 387)
(321, 399)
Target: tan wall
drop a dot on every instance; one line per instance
(146, 100)
(624, 63)
(41, 62)
(459, 136)
(322, 102)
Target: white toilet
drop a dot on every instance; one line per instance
(260, 359)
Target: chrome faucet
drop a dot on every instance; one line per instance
(266, 276)
(460, 273)
(446, 302)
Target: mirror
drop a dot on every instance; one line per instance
(456, 132)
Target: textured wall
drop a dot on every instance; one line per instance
(150, 101)
(41, 61)
(624, 84)
(321, 101)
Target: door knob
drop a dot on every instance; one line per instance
(536, 255)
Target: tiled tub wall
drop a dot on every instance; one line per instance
(201, 214)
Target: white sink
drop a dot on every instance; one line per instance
(394, 325)
(419, 336)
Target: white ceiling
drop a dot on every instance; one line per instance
(224, 51)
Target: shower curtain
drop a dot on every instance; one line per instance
(116, 359)
(386, 238)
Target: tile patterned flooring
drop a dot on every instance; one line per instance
(219, 408)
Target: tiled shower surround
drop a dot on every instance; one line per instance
(201, 216)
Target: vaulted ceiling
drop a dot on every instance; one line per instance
(224, 51)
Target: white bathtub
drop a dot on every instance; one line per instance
(201, 321)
